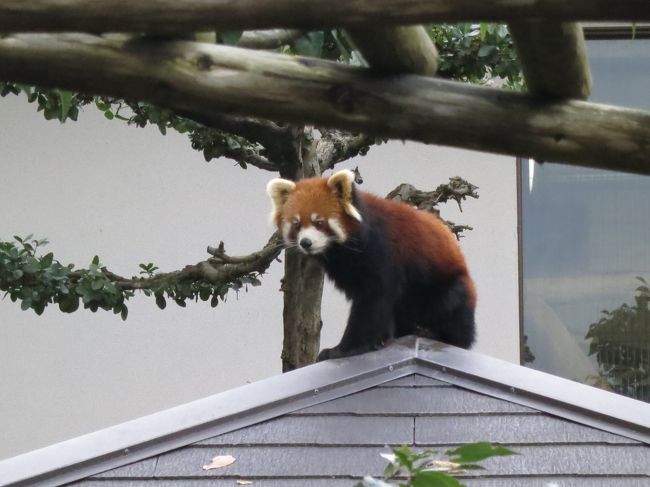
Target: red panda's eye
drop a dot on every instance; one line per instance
(319, 224)
(296, 224)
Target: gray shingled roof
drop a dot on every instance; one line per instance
(327, 424)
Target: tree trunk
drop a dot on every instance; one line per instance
(303, 287)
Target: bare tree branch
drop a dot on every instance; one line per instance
(250, 157)
(279, 141)
(170, 16)
(207, 78)
(336, 146)
(457, 189)
(258, 130)
(219, 269)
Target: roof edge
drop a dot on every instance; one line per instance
(227, 411)
(269, 398)
(544, 392)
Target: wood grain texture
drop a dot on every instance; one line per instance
(553, 57)
(193, 15)
(206, 79)
(396, 50)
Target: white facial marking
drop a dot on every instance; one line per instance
(287, 226)
(312, 241)
(338, 230)
(352, 211)
(286, 229)
(314, 217)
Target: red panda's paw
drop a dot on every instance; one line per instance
(327, 353)
(335, 352)
(339, 352)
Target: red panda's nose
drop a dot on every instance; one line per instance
(305, 243)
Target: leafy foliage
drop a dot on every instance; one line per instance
(39, 280)
(620, 342)
(427, 469)
(55, 104)
(477, 53)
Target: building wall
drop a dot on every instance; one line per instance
(131, 196)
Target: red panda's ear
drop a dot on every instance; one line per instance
(342, 183)
(279, 190)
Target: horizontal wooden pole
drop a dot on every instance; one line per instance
(553, 57)
(192, 15)
(206, 79)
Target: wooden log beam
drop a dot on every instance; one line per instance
(553, 58)
(396, 50)
(207, 79)
(194, 15)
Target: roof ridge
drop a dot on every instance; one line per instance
(201, 419)
(275, 396)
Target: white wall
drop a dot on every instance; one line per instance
(130, 196)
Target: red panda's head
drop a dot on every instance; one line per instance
(313, 213)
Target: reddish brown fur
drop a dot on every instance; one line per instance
(401, 267)
(408, 225)
(314, 196)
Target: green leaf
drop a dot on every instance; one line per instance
(404, 456)
(69, 304)
(310, 45)
(46, 260)
(476, 452)
(484, 30)
(204, 293)
(73, 114)
(65, 102)
(434, 479)
(160, 301)
(109, 115)
(485, 51)
(391, 470)
(97, 285)
(95, 260)
(229, 37)
(32, 266)
(124, 313)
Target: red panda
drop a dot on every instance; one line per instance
(401, 267)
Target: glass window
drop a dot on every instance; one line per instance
(586, 250)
